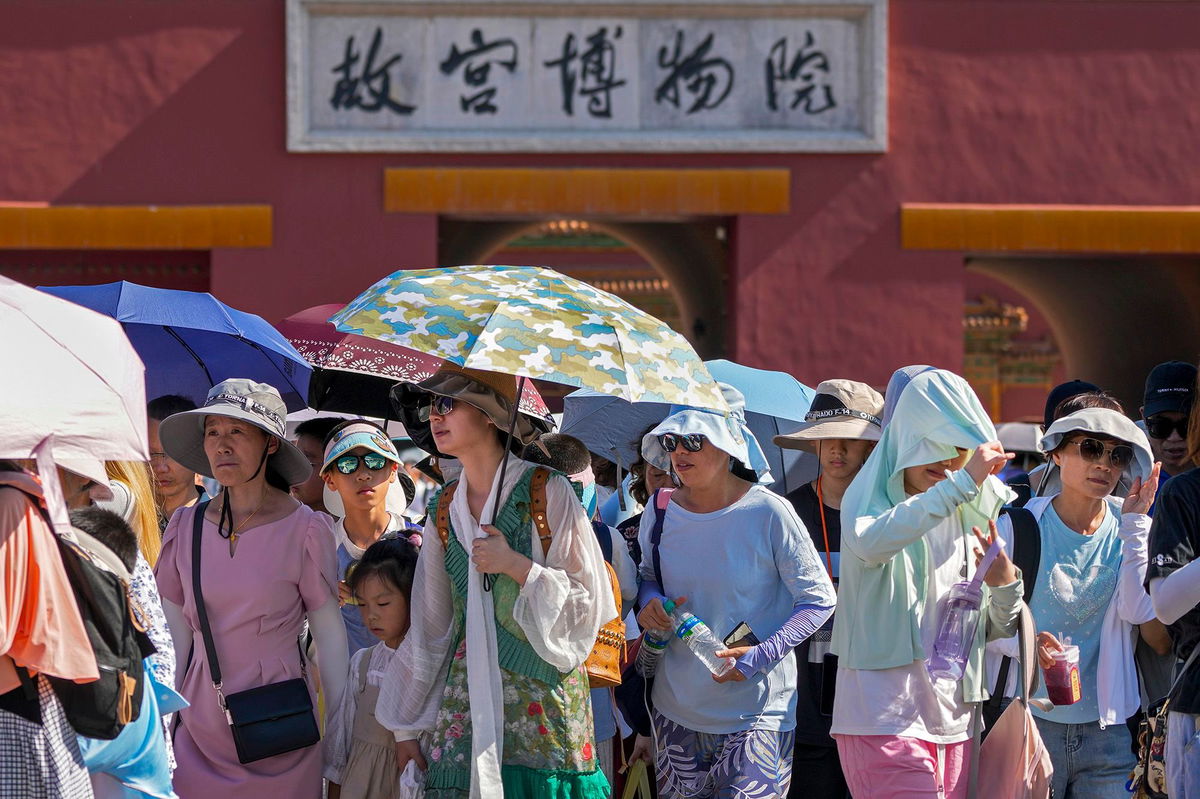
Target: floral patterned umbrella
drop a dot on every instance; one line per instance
(353, 374)
(534, 322)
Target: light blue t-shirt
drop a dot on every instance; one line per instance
(752, 562)
(1076, 581)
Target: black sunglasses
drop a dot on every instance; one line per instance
(348, 464)
(692, 442)
(438, 405)
(1161, 427)
(1093, 449)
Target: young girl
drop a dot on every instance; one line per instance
(909, 522)
(361, 754)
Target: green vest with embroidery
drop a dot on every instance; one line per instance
(514, 651)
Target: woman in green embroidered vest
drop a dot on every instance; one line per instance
(492, 681)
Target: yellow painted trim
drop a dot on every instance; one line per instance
(592, 192)
(1050, 228)
(134, 227)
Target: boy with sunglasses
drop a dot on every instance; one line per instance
(360, 466)
(1165, 407)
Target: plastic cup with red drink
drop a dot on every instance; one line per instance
(1062, 678)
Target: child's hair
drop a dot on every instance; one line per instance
(109, 529)
(560, 452)
(393, 560)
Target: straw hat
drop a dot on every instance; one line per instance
(840, 409)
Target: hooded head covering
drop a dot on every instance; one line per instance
(1102, 421)
(935, 414)
(895, 387)
(725, 431)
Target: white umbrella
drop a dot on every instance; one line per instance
(74, 389)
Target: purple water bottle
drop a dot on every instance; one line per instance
(960, 617)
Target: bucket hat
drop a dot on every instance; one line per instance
(727, 431)
(840, 409)
(492, 393)
(259, 404)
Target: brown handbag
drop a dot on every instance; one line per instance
(608, 652)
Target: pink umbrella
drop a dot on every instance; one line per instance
(353, 373)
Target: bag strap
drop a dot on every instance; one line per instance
(538, 505)
(1026, 556)
(443, 513)
(662, 498)
(604, 538)
(210, 648)
(1186, 665)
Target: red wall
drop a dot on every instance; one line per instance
(1000, 102)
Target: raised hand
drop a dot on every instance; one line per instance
(987, 459)
(1002, 570)
(1141, 495)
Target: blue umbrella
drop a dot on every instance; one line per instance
(775, 404)
(190, 340)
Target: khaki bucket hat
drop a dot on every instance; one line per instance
(840, 409)
(182, 434)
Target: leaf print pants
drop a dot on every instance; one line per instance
(737, 765)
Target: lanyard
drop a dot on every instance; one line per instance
(824, 529)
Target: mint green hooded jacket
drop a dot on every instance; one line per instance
(885, 559)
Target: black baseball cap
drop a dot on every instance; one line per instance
(1170, 386)
(1064, 391)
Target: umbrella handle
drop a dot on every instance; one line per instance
(490, 579)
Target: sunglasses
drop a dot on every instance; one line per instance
(439, 406)
(348, 464)
(692, 442)
(1093, 449)
(1160, 427)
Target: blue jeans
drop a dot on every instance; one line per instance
(1183, 755)
(1089, 763)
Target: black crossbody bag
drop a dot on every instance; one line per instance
(266, 721)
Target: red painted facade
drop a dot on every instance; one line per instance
(993, 102)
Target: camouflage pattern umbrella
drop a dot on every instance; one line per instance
(534, 322)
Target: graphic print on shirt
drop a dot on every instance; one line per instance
(1082, 595)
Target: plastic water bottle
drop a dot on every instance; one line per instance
(695, 633)
(960, 618)
(654, 643)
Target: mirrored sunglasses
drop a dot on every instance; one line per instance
(692, 442)
(438, 405)
(348, 464)
(1093, 449)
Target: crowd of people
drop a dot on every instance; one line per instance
(253, 614)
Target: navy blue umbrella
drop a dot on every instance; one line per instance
(190, 340)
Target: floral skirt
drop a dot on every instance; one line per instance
(548, 748)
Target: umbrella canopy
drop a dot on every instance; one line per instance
(190, 340)
(353, 373)
(75, 388)
(775, 403)
(533, 322)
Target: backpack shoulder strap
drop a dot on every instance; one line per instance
(442, 519)
(662, 498)
(604, 538)
(1027, 546)
(538, 505)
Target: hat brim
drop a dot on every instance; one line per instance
(807, 437)
(1169, 404)
(460, 387)
(182, 437)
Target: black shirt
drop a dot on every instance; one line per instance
(1174, 543)
(812, 728)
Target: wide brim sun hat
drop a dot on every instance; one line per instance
(843, 409)
(1103, 421)
(493, 393)
(258, 404)
(727, 431)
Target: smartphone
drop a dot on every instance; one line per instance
(829, 667)
(742, 635)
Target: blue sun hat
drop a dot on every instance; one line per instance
(725, 431)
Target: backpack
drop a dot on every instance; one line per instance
(100, 583)
(608, 652)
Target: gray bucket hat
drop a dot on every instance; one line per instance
(259, 404)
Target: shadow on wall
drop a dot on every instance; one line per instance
(687, 254)
(1114, 318)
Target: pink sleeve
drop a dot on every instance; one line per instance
(166, 571)
(318, 567)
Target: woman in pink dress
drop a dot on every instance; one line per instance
(267, 563)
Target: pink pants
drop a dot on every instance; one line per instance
(895, 767)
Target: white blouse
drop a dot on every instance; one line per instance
(565, 599)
